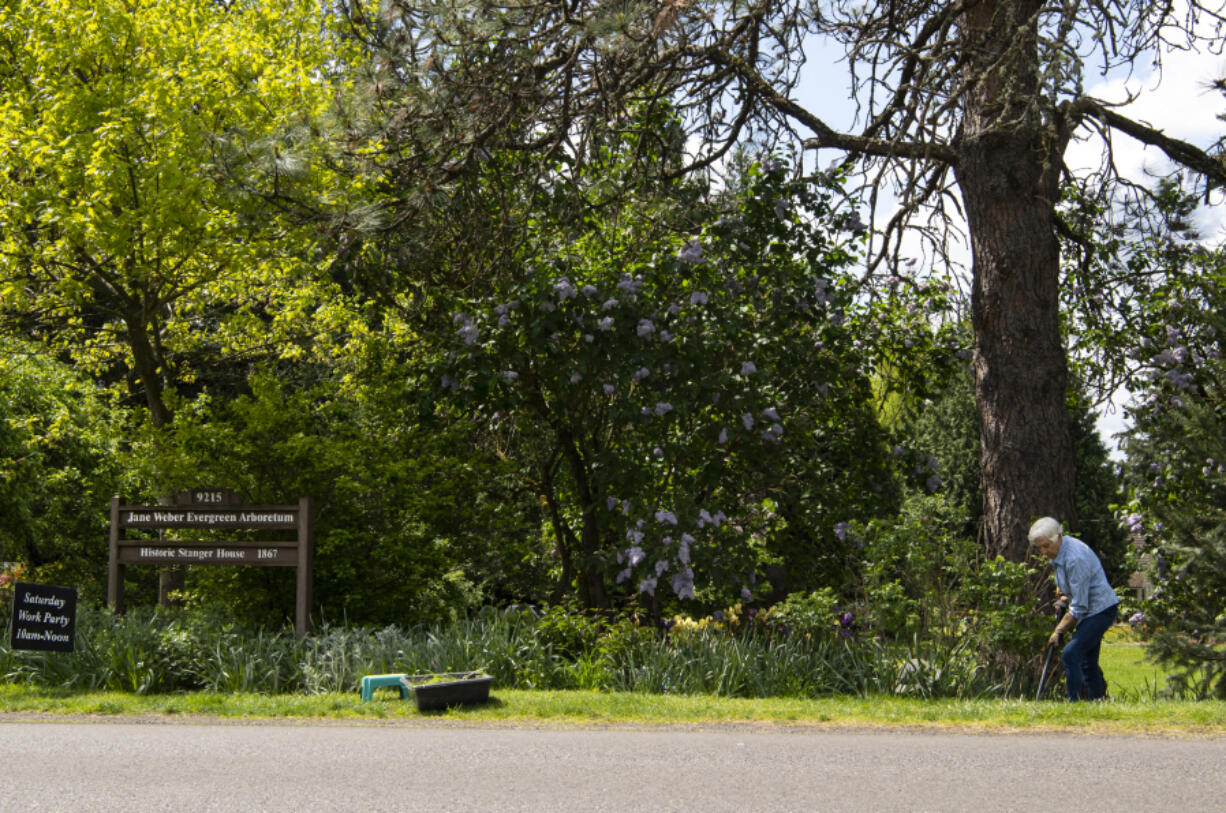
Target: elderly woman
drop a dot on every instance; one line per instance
(1092, 607)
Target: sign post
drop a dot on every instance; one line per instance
(217, 510)
(44, 617)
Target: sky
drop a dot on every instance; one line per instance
(1182, 104)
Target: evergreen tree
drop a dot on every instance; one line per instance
(1177, 469)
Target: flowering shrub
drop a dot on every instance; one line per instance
(678, 402)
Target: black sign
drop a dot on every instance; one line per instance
(44, 617)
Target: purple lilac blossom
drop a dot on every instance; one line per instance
(690, 253)
(612, 502)
(645, 328)
(504, 320)
(547, 306)
(661, 566)
(770, 413)
(663, 407)
(628, 284)
(658, 452)
(575, 378)
(1133, 523)
(723, 436)
(745, 594)
(820, 289)
(683, 584)
(641, 373)
(683, 552)
(609, 389)
(776, 429)
(747, 420)
(748, 368)
(933, 482)
(469, 333)
(674, 309)
(840, 531)
(1180, 381)
(606, 323)
(510, 375)
(610, 304)
(781, 208)
(589, 290)
(635, 555)
(648, 585)
(565, 289)
(698, 298)
(666, 517)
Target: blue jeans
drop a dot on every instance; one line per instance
(1083, 677)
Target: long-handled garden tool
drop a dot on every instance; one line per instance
(1061, 607)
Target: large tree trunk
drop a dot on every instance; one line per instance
(1008, 175)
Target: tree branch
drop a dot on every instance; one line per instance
(1213, 169)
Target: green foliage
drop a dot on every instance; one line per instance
(411, 523)
(811, 615)
(59, 466)
(123, 243)
(688, 408)
(926, 582)
(149, 652)
(1176, 473)
(937, 446)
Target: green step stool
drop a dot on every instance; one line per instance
(372, 682)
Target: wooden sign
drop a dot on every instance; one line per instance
(212, 509)
(44, 617)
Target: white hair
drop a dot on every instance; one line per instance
(1045, 528)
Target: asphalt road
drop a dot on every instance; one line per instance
(195, 766)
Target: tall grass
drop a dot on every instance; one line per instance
(148, 652)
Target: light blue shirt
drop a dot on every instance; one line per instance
(1080, 576)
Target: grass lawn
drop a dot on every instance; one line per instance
(1133, 708)
(1129, 675)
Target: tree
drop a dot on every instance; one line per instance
(1176, 469)
(941, 436)
(969, 106)
(121, 243)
